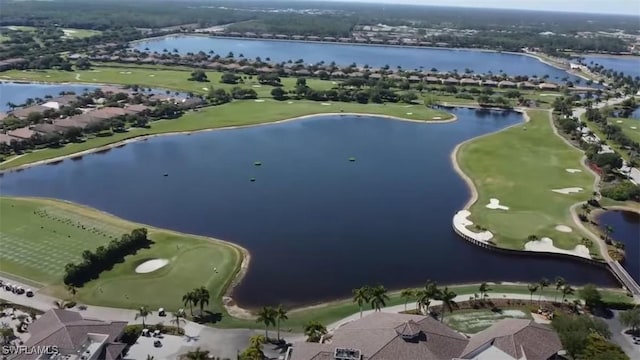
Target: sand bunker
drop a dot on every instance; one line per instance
(619, 121)
(125, 72)
(564, 228)
(205, 89)
(151, 75)
(460, 222)
(409, 113)
(436, 118)
(259, 100)
(568, 190)
(634, 128)
(495, 205)
(573, 170)
(546, 245)
(326, 104)
(151, 266)
(256, 86)
(289, 102)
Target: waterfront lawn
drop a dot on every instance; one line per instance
(246, 112)
(37, 248)
(520, 166)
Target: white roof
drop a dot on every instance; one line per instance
(52, 105)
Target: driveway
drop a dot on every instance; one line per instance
(619, 337)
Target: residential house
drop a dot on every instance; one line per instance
(469, 82)
(23, 133)
(548, 86)
(75, 337)
(389, 336)
(60, 101)
(450, 81)
(526, 85)
(23, 113)
(489, 83)
(507, 84)
(414, 79)
(6, 139)
(14, 63)
(138, 109)
(191, 103)
(432, 80)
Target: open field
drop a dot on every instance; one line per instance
(80, 33)
(519, 167)
(474, 321)
(628, 126)
(37, 247)
(237, 113)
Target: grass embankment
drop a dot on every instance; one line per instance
(39, 236)
(237, 113)
(520, 166)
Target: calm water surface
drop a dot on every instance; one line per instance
(628, 65)
(626, 228)
(375, 56)
(316, 224)
(19, 93)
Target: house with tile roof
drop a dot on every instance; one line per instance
(388, 336)
(74, 337)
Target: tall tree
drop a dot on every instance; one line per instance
(407, 294)
(189, 299)
(591, 296)
(267, 316)
(567, 290)
(484, 289)
(142, 313)
(281, 316)
(379, 297)
(560, 283)
(532, 289)
(631, 318)
(178, 318)
(543, 283)
(203, 296)
(447, 296)
(361, 296)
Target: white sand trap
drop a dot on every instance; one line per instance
(125, 72)
(550, 95)
(495, 205)
(151, 266)
(94, 79)
(634, 128)
(47, 76)
(546, 245)
(326, 104)
(259, 100)
(205, 89)
(460, 222)
(564, 228)
(334, 83)
(409, 113)
(67, 31)
(436, 118)
(568, 190)
(256, 86)
(619, 121)
(152, 75)
(289, 102)
(573, 170)
(408, 106)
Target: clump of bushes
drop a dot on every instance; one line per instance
(622, 191)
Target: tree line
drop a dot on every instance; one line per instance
(104, 258)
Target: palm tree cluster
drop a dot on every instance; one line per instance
(254, 350)
(314, 331)
(198, 296)
(432, 292)
(375, 296)
(272, 316)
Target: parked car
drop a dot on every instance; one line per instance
(29, 293)
(157, 343)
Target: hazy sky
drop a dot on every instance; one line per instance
(628, 7)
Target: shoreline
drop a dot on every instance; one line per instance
(188, 132)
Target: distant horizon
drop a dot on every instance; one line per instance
(610, 7)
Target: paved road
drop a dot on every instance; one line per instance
(619, 337)
(221, 342)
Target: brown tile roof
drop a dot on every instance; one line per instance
(519, 338)
(46, 128)
(6, 139)
(23, 133)
(24, 112)
(107, 112)
(379, 336)
(68, 330)
(137, 108)
(64, 100)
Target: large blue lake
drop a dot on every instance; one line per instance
(18, 93)
(628, 65)
(626, 228)
(316, 224)
(345, 54)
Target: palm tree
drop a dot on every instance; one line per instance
(254, 351)
(197, 354)
(484, 289)
(431, 292)
(314, 330)
(447, 296)
(189, 299)
(280, 315)
(379, 297)
(72, 290)
(566, 290)
(608, 230)
(544, 282)
(61, 304)
(178, 317)
(202, 295)
(407, 294)
(361, 296)
(560, 282)
(143, 312)
(267, 316)
(150, 357)
(532, 288)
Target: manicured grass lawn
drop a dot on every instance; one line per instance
(626, 125)
(37, 248)
(246, 112)
(80, 33)
(520, 168)
(474, 321)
